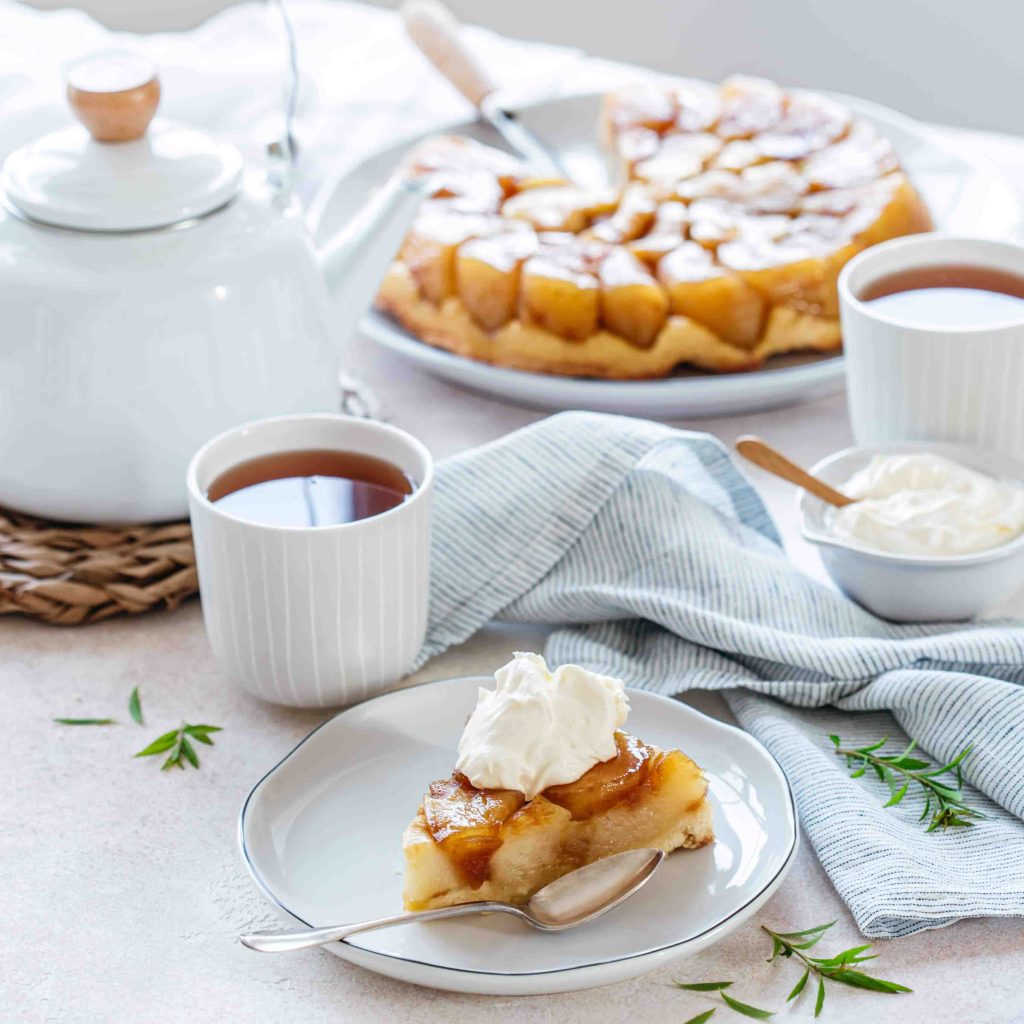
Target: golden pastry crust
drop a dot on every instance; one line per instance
(742, 203)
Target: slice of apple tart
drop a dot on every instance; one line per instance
(519, 829)
(739, 206)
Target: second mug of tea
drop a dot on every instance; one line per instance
(312, 538)
(933, 334)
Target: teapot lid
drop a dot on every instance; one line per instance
(115, 176)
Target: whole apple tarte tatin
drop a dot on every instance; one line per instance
(740, 206)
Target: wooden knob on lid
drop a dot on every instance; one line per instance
(115, 95)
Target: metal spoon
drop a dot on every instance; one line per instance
(571, 900)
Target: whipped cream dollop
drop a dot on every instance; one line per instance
(539, 728)
(925, 504)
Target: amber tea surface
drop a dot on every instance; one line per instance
(949, 295)
(312, 487)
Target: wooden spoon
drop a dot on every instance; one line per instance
(764, 455)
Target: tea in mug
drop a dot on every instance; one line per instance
(314, 487)
(949, 296)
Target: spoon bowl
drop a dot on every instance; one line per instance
(567, 902)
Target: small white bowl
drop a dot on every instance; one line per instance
(915, 588)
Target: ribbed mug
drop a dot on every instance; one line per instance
(314, 616)
(907, 382)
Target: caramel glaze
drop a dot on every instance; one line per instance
(466, 822)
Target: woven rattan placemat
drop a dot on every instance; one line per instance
(73, 575)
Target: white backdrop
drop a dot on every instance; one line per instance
(952, 61)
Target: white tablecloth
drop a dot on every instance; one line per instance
(123, 890)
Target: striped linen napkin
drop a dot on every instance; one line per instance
(658, 563)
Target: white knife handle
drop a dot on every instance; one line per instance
(433, 28)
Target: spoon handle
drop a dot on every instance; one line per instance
(284, 942)
(433, 28)
(764, 455)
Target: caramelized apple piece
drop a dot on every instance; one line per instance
(606, 783)
(713, 184)
(633, 304)
(429, 248)
(559, 207)
(785, 272)
(466, 822)
(698, 106)
(679, 157)
(487, 273)
(559, 292)
(810, 123)
(713, 221)
(749, 106)
(634, 145)
(632, 219)
(858, 159)
(665, 234)
(639, 105)
(903, 214)
(775, 187)
(461, 167)
(737, 155)
(711, 295)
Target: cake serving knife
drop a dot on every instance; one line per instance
(434, 29)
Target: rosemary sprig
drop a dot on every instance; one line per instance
(135, 707)
(841, 968)
(86, 721)
(177, 744)
(943, 801)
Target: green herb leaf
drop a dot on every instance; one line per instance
(898, 795)
(85, 721)
(857, 979)
(160, 744)
(745, 1008)
(178, 745)
(799, 986)
(190, 753)
(819, 1002)
(701, 1018)
(819, 931)
(135, 707)
(944, 805)
(195, 730)
(703, 986)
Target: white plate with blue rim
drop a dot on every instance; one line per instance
(321, 835)
(964, 195)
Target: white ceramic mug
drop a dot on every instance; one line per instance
(314, 616)
(913, 383)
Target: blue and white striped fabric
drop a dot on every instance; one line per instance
(658, 563)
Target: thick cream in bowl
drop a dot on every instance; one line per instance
(937, 533)
(925, 504)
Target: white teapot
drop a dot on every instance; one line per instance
(155, 292)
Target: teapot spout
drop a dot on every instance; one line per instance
(354, 260)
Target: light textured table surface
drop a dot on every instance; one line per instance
(123, 888)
